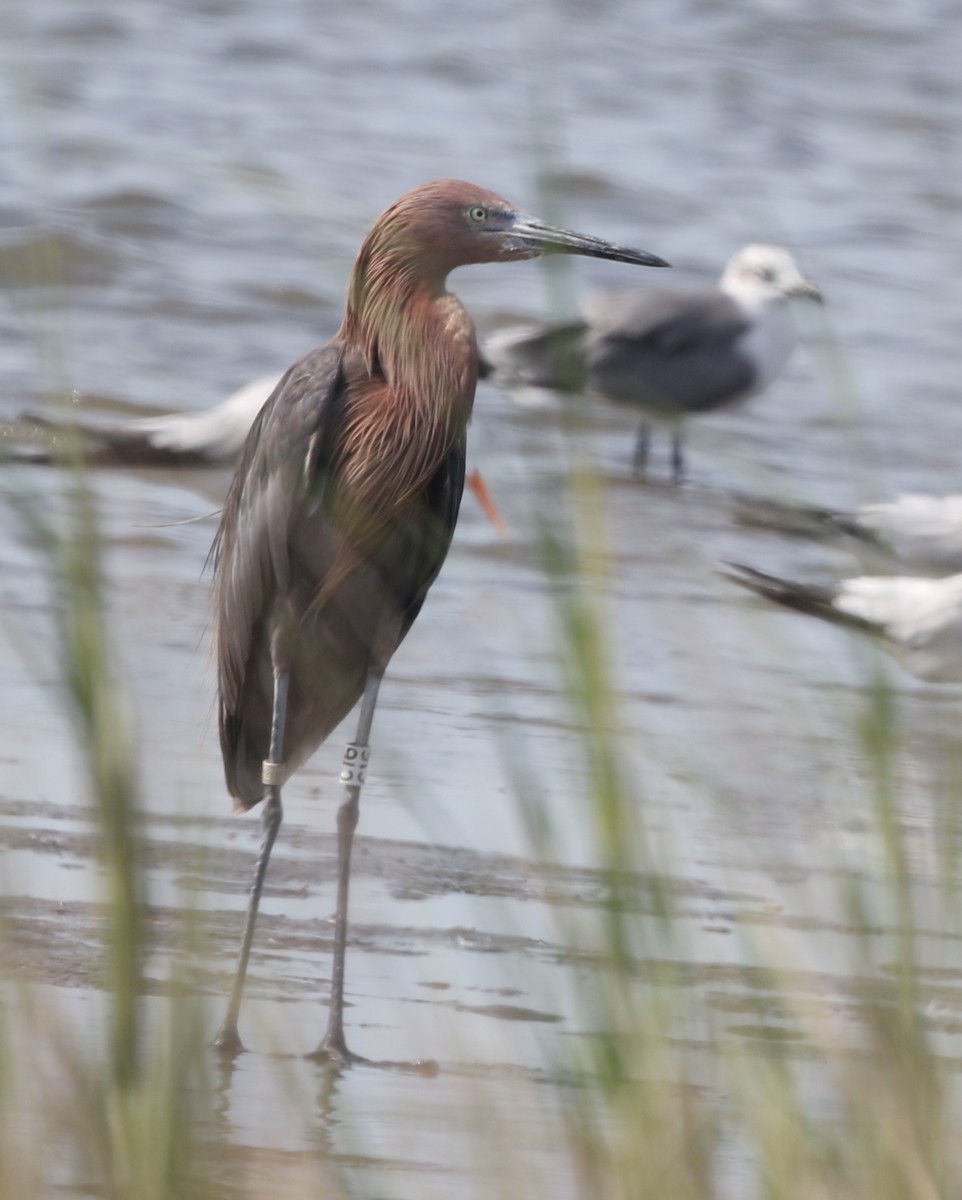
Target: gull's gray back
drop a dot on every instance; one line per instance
(673, 352)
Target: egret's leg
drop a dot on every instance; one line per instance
(228, 1039)
(642, 445)
(352, 775)
(677, 459)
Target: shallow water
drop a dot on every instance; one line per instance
(185, 187)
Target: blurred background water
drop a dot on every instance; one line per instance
(182, 190)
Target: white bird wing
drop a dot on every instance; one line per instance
(919, 530)
(917, 619)
(217, 433)
(923, 617)
(213, 436)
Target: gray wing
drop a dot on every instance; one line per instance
(302, 571)
(546, 356)
(258, 511)
(131, 443)
(668, 351)
(251, 549)
(207, 438)
(802, 597)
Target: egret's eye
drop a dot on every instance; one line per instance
(766, 274)
(478, 214)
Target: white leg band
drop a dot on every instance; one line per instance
(355, 764)
(272, 773)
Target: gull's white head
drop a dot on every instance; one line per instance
(759, 272)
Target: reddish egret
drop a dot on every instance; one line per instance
(918, 619)
(670, 353)
(342, 510)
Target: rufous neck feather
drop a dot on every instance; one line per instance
(409, 329)
(419, 350)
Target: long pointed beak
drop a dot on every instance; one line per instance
(537, 238)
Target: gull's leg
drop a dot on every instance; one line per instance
(639, 462)
(356, 756)
(228, 1039)
(677, 458)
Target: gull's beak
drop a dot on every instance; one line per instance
(807, 290)
(532, 237)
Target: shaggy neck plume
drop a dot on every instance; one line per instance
(419, 348)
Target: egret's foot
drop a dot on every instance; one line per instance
(333, 1052)
(427, 1068)
(227, 1041)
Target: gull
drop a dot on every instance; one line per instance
(920, 531)
(917, 619)
(670, 353)
(210, 438)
